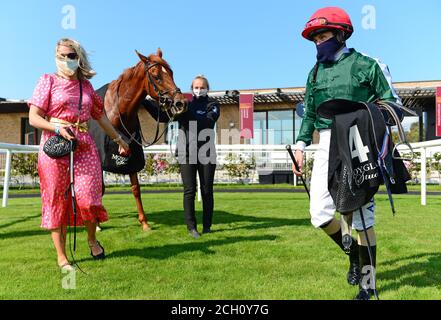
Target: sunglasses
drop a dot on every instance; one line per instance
(71, 56)
(324, 22)
(317, 22)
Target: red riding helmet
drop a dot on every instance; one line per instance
(332, 18)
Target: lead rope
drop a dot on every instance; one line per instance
(71, 188)
(381, 155)
(132, 135)
(74, 208)
(401, 134)
(143, 140)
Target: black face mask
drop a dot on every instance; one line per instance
(326, 50)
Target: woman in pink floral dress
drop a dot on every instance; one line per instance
(54, 109)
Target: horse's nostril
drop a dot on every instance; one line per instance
(178, 104)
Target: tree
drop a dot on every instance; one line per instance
(239, 166)
(25, 165)
(413, 135)
(436, 164)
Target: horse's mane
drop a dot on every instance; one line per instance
(127, 74)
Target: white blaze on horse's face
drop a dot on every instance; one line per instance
(164, 70)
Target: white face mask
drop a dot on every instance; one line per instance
(200, 92)
(68, 67)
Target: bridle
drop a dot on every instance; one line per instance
(166, 103)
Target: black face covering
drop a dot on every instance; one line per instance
(326, 50)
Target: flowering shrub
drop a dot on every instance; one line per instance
(160, 163)
(25, 165)
(307, 167)
(156, 164)
(414, 170)
(433, 164)
(239, 166)
(173, 167)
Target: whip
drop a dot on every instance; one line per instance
(291, 154)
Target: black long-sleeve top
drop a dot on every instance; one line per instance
(196, 140)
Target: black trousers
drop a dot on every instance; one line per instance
(206, 176)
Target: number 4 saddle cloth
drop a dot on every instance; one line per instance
(361, 155)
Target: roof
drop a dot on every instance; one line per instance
(13, 106)
(414, 94)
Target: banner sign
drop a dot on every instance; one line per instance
(246, 108)
(438, 112)
(188, 96)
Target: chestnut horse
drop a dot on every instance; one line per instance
(151, 76)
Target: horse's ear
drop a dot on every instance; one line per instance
(142, 57)
(159, 53)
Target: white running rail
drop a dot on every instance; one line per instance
(267, 158)
(9, 149)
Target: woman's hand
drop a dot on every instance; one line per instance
(299, 158)
(67, 133)
(123, 148)
(105, 124)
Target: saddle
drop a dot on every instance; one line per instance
(362, 153)
(111, 160)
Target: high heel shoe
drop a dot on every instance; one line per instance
(66, 268)
(100, 256)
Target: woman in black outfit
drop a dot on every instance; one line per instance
(196, 151)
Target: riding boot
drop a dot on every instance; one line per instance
(353, 276)
(368, 273)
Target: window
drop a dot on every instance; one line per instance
(172, 132)
(29, 134)
(260, 128)
(281, 127)
(297, 125)
(275, 127)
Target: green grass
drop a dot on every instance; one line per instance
(178, 187)
(165, 187)
(263, 247)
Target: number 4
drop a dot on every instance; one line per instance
(356, 144)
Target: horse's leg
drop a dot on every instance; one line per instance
(136, 190)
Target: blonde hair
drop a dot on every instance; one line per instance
(85, 70)
(201, 77)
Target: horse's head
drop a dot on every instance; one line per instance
(160, 85)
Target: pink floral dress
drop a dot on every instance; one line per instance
(59, 98)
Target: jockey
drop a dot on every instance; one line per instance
(339, 73)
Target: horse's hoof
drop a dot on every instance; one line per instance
(145, 226)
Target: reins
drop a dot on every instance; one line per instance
(164, 102)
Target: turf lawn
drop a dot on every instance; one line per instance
(262, 247)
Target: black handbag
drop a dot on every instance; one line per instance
(57, 146)
(116, 163)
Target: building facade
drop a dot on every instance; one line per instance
(275, 117)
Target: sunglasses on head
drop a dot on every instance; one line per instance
(71, 56)
(324, 22)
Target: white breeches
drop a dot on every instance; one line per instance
(322, 208)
